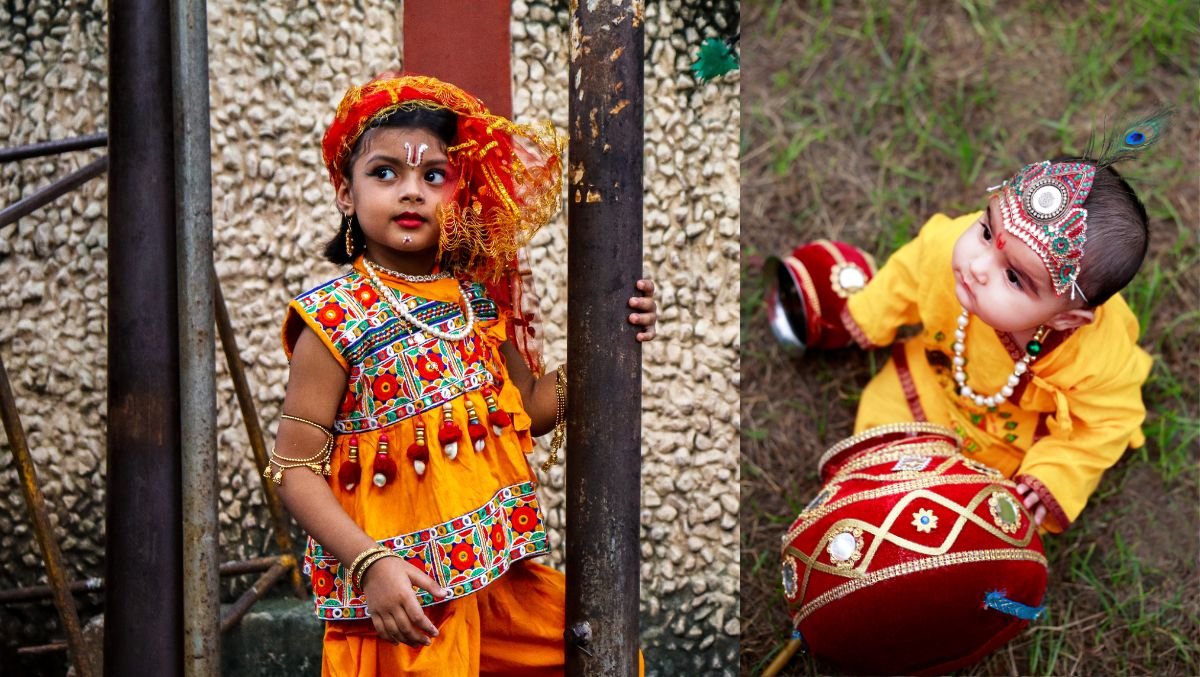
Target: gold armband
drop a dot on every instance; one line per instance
(560, 417)
(318, 462)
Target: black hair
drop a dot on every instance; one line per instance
(441, 122)
(1117, 234)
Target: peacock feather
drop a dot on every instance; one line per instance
(1130, 141)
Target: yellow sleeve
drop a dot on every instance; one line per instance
(1094, 423)
(891, 299)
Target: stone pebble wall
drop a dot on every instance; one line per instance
(277, 71)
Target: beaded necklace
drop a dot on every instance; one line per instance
(1032, 350)
(432, 277)
(390, 297)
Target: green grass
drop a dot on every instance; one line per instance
(861, 120)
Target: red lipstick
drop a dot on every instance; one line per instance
(409, 220)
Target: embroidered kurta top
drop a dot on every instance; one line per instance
(1071, 416)
(471, 513)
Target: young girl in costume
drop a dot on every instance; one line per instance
(411, 405)
(1026, 349)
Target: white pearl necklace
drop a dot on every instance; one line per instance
(389, 296)
(1032, 350)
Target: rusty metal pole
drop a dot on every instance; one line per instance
(143, 611)
(604, 258)
(197, 352)
(51, 554)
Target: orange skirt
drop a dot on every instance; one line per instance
(513, 626)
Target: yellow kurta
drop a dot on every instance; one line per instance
(1072, 415)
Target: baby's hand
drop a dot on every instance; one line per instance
(649, 311)
(395, 611)
(1032, 503)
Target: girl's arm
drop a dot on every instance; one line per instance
(315, 388)
(539, 394)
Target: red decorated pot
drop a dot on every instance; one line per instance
(912, 559)
(806, 292)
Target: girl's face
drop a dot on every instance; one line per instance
(998, 278)
(397, 183)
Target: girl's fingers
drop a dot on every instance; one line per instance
(641, 302)
(647, 335)
(380, 629)
(418, 619)
(392, 631)
(423, 581)
(1039, 514)
(646, 285)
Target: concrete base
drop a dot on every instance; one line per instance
(278, 637)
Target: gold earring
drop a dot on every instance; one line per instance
(349, 236)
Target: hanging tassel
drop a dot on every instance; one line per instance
(449, 433)
(350, 471)
(477, 432)
(418, 452)
(385, 467)
(497, 418)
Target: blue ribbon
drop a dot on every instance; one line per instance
(997, 601)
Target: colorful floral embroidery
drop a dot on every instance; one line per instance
(331, 315)
(397, 371)
(322, 583)
(463, 554)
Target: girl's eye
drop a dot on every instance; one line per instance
(385, 173)
(436, 176)
(1013, 278)
(987, 232)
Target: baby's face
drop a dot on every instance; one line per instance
(999, 279)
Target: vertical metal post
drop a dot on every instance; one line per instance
(143, 627)
(51, 554)
(604, 258)
(197, 359)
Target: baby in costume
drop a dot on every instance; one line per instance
(415, 390)
(1026, 350)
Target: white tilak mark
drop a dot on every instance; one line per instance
(408, 154)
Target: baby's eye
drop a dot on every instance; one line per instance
(1013, 278)
(386, 173)
(436, 177)
(987, 232)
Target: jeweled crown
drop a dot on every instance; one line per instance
(1042, 205)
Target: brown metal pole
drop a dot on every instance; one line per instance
(235, 568)
(241, 386)
(604, 257)
(234, 614)
(51, 554)
(52, 192)
(52, 147)
(143, 611)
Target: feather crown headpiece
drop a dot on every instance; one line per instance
(1042, 205)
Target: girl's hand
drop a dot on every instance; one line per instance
(649, 311)
(395, 611)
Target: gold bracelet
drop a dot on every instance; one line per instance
(362, 569)
(318, 462)
(361, 556)
(560, 417)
